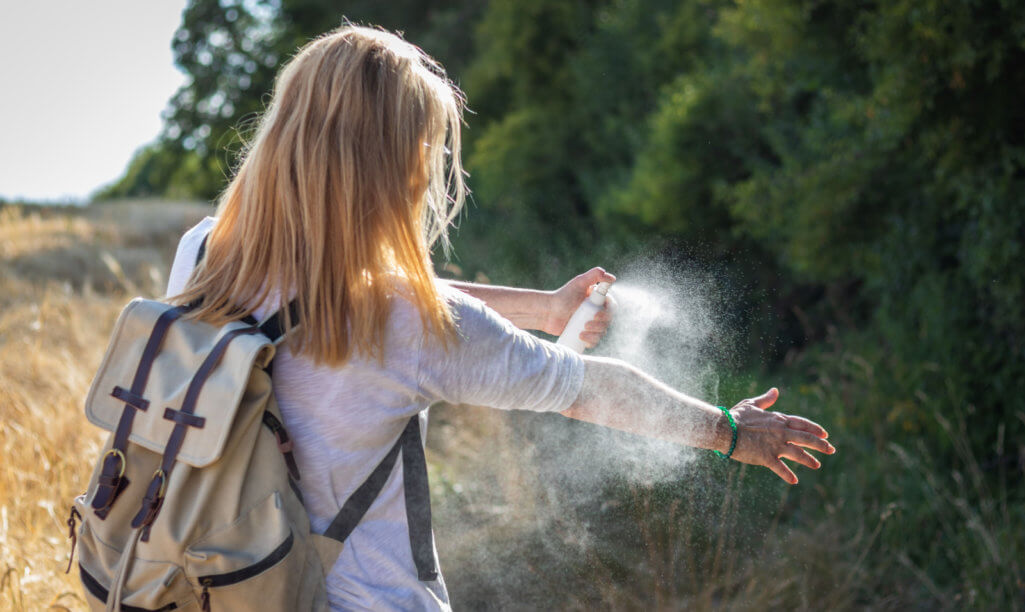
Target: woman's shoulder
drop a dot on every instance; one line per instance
(193, 236)
(185, 256)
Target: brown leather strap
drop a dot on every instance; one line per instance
(112, 474)
(184, 418)
(133, 400)
(73, 534)
(119, 485)
(192, 394)
(155, 493)
(149, 355)
(284, 443)
(151, 504)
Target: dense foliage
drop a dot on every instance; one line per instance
(858, 167)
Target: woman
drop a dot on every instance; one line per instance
(353, 175)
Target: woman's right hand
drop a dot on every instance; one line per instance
(766, 438)
(565, 300)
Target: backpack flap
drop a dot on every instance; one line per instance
(168, 368)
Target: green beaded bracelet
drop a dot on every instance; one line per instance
(733, 426)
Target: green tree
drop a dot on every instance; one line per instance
(231, 51)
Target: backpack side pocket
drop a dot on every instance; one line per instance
(259, 562)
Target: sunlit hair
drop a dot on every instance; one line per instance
(352, 176)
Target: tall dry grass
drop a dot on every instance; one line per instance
(64, 276)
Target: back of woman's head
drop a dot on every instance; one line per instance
(347, 184)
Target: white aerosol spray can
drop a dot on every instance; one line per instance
(588, 308)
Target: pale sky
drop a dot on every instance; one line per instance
(82, 86)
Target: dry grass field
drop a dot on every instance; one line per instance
(64, 275)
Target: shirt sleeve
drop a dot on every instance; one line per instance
(185, 257)
(493, 363)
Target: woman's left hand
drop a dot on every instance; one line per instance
(564, 301)
(766, 438)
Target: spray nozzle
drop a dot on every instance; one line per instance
(598, 293)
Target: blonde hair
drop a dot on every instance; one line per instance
(351, 178)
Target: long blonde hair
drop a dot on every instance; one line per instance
(351, 178)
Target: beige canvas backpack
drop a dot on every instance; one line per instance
(193, 504)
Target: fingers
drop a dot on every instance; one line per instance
(801, 456)
(803, 424)
(782, 471)
(766, 399)
(593, 277)
(595, 329)
(591, 338)
(599, 322)
(792, 452)
(802, 438)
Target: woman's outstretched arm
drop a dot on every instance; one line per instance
(546, 311)
(618, 395)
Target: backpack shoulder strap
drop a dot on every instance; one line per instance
(415, 489)
(202, 249)
(273, 327)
